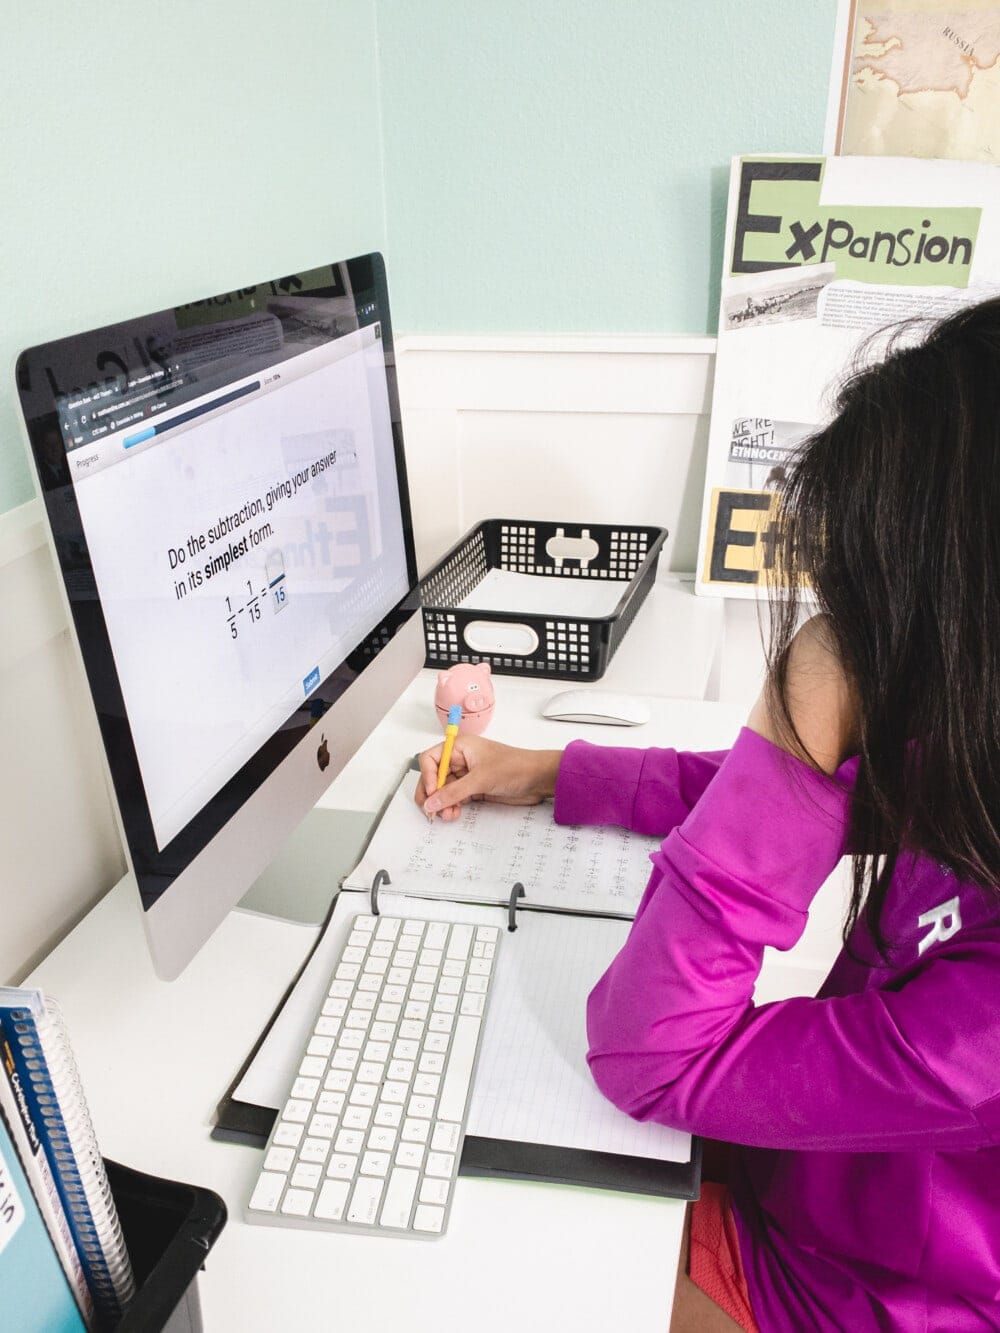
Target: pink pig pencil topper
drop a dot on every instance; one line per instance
(471, 685)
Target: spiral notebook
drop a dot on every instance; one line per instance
(37, 1046)
(34, 1294)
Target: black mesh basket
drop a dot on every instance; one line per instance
(556, 645)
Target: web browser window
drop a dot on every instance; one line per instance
(240, 544)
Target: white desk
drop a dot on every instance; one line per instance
(155, 1058)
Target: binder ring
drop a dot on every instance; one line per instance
(381, 877)
(516, 892)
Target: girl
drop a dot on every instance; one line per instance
(863, 1188)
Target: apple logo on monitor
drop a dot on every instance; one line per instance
(323, 754)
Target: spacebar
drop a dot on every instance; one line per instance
(461, 1058)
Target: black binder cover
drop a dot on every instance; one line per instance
(244, 1122)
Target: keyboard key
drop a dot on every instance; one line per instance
(460, 942)
(314, 1150)
(356, 1117)
(349, 1141)
(342, 1166)
(279, 1159)
(399, 1197)
(440, 1164)
(322, 1126)
(426, 1085)
(382, 1139)
(410, 1154)
(287, 1135)
(296, 1111)
(436, 934)
(428, 1218)
(387, 1114)
(446, 1136)
(455, 1089)
(365, 1200)
(307, 1175)
(332, 1200)
(375, 1164)
(267, 1191)
(297, 1202)
(434, 1190)
(415, 1131)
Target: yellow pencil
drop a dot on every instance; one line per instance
(450, 732)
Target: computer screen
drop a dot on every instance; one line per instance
(226, 492)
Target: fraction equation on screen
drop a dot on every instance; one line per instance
(274, 591)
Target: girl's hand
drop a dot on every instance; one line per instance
(822, 702)
(483, 770)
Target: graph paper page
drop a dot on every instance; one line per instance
(482, 855)
(532, 1083)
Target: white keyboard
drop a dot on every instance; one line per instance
(371, 1135)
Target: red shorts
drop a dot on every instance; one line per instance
(714, 1262)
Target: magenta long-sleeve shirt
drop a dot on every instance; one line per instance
(867, 1196)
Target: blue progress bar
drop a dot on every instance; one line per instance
(162, 427)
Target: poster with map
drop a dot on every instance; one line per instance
(820, 255)
(916, 78)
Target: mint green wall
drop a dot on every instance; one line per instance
(561, 167)
(549, 167)
(160, 152)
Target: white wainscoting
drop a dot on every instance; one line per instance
(580, 429)
(59, 846)
(600, 430)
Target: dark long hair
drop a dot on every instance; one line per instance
(891, 514)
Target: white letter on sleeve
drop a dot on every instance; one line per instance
(944, 921)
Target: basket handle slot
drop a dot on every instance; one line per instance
(495, 636)
(583, 548)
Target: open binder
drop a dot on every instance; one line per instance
(566, 897)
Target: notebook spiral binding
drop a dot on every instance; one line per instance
(41, 1046)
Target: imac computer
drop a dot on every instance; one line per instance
(226, 495)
